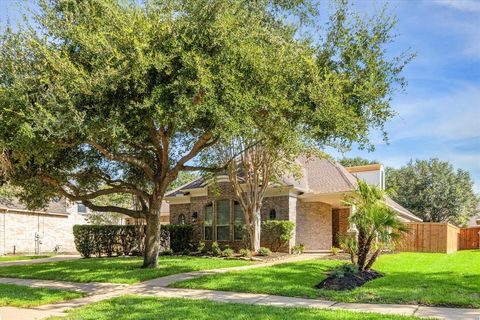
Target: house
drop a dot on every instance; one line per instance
(474, 222)
(164, 216)
(39, 231)
(313, 202)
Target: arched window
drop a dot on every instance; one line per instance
(181, 219)
(273, 214)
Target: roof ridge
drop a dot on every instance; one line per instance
(343, 172)
(181, 187)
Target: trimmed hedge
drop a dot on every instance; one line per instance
(107, 240)
(181, 237)
(276, 234)
(98, 240)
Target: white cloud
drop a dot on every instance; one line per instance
(451, 116)
(463, 5)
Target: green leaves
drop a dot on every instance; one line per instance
(434, 191)
(121, 93)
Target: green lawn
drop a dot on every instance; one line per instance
(143, 308)
(24, 297)
(116, 270)
(15, 258)
(410, 278)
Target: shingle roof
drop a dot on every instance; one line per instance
(198, 183)
(326, 176)
(318, 176)
(15, 204)
(400, 209)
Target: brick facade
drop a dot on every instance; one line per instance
(314, 225)
(18, 230)
(340, 223)
(313, 220)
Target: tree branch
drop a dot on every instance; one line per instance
(125, 158)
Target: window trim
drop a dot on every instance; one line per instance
(214, 224)
(236, 203)
(229, 223)
(212, 220)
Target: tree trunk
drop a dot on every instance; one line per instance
(372, 260)
(257, 223)
(152, 240)
(254, 232)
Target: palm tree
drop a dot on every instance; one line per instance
(378, 227)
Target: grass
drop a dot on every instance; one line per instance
(24, 297)
(146, 308)
(116, 270)
(16, 258)
(410, 278)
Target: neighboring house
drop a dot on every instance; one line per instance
(474, 222)
(39, 231)
(164, 216)
(313, 202)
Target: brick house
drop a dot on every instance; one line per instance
(313, 202)
(39, 231)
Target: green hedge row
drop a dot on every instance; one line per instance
(181, 237)
(276, 234)
(109, 240)
(98, 240)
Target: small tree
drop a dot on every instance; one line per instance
(378, 226)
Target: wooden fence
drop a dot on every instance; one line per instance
(430, 237)
(469, 238)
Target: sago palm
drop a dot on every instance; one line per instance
(377, 224)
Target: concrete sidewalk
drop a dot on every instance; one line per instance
(41, 260)
(157, 287)
(89, 287)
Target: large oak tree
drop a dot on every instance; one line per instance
(103, 97)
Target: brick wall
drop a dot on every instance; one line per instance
(281, 204)
(314, 225)
(340, 223)
(18, 229)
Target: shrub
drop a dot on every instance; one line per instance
(245, 253)
(107, 239)
(227, 252)
(343, 270)
(202, 247)
(277, 233)
(299, 248)
(216, 251)
(264, 252)
(84, 240)
(181, 236)
(167, 252)
(335, 250)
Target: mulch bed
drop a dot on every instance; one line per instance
(349, 281)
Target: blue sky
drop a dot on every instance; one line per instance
(439, 114)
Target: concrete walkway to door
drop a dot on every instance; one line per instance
(157, 288)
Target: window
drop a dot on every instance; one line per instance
(239, 221)
(181, 219)
(81, 208)
(273, 214)
(208, 222)
(223, 220)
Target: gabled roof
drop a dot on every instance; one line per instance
(59, 206)
(326, 176)
(318, 176)
(401, 210)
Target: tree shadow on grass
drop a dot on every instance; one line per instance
(437, 288)
(149, 308)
